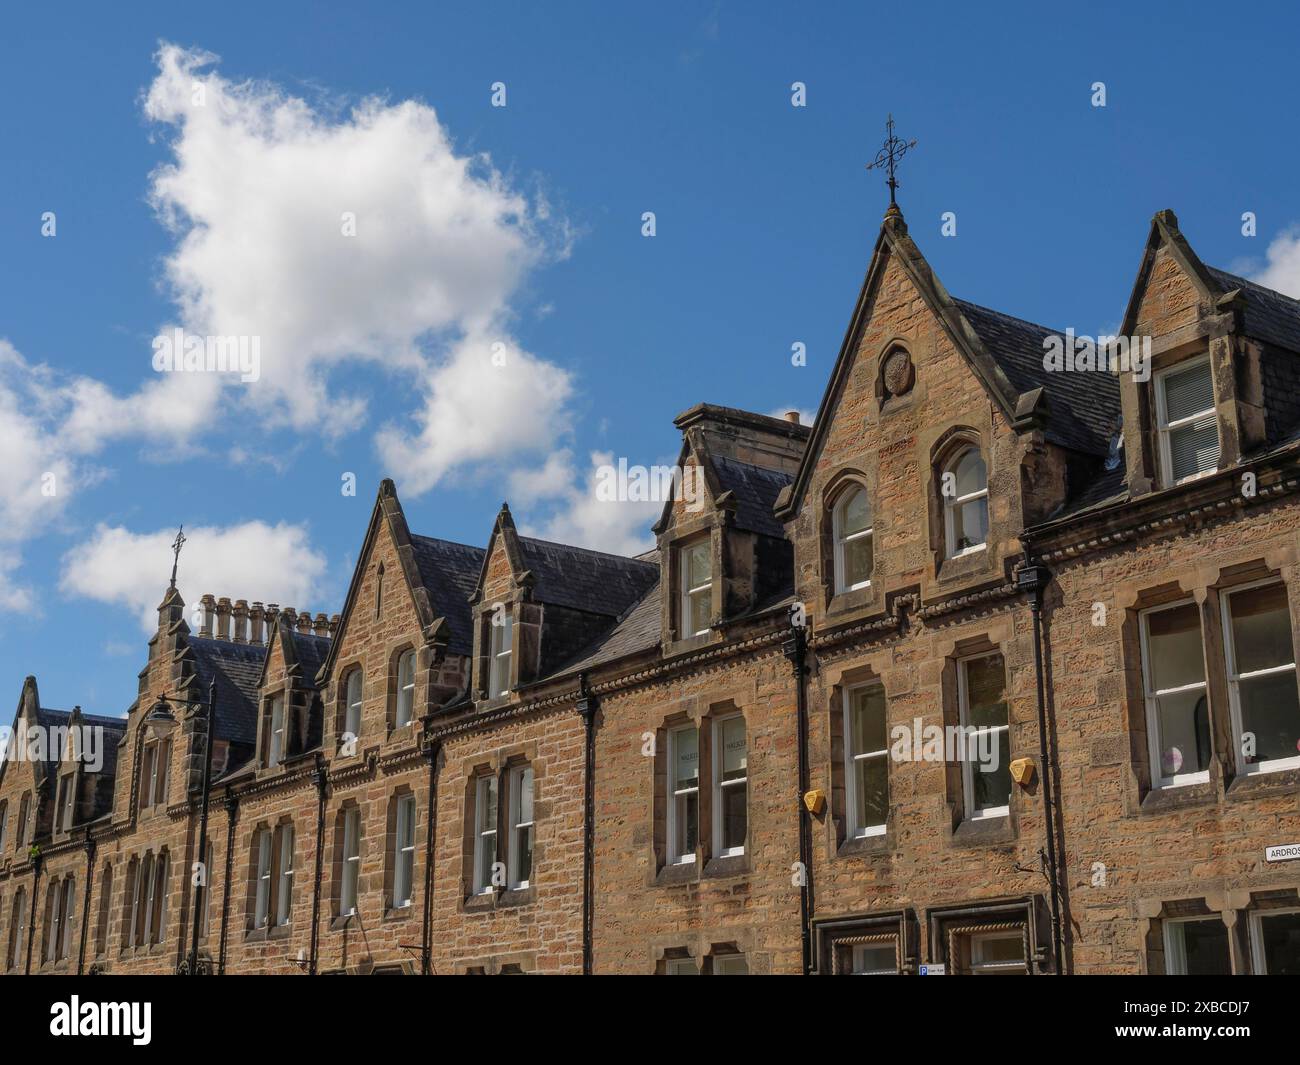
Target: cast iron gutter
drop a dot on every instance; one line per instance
(232, 813)
(796, 650)
(85, 906)
(586, 707)
(1033, 578)
(426, 939)
(320, 776)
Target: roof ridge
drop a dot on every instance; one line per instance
(584, 550)
(1253, 284)
(444, 540)
(1004, 314)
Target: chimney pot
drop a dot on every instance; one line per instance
(255, 621)
(304, 622)
(240, 626)
(792, 416)
(321, 625)
(223, 618)
(209, 607)
(334, 625)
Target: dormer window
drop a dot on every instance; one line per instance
(696, 566)
(965, 489)
(853, 541)
(500, 645)
(153, 773)
(1187, 426)
(405, 689)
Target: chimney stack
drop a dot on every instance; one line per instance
(255, 631)
(334, 625)
(240, 614)
(208, 606)
(304, 622)
(223, 618)
(321, 625)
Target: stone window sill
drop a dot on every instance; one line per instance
(860, 846)
(984, 832)
(1250, 786)
(1165, 800)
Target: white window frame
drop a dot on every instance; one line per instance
(687, 590)
(676, 856)
(1234, 678)
(951, 503)
(404, 712)
(1164, 428)
(276, 733)
(1151, 697)
(404, 853)
(1258, 963)
(485, 834)
(284, 877)
(974, 942)
(1176, 944)
(720, 786)
(262, 896)
(969, 732)
(837, 526)
(351, 861)
(517, 776)
(851, 759)
(353, 706)
(501, 646)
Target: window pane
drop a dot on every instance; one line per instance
(1194, 448)
(1270, 711)
(1280, 935)
(730, 965)
(526, 795)
(686, 758)
(867, 707)
(688, 819)
(970, 524)
(487, 804)
(986, 691)
(992, 787)
(698, 567)
(733, 748)
(993, 949)
(1188, 392)
(970, 474)
(1261, 628)
(873, 959)
(523, 854)
(701, 606)
(1174, 646)
(1184, 733)
(856, 514)
(1205, 947)
(871, 791)
(733, 816)
(857, 561)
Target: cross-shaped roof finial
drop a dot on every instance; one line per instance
(177, 544)
(890, 153)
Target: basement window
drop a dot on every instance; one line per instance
(1197, 947)
(1187, 427)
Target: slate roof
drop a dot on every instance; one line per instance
(311, 651)
(237, 668)
(1083, 407)
(1269, 315)
(115, 727)
(755, 489)
(449, 572)
(638, 630)
(586, 580)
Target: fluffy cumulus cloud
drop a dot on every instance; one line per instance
(357, 237)
(591, 511)
(1281, 269)
(252, 560)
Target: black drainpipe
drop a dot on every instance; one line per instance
(586, 707)
(432, 751)
(31, 916)
(232, 814)
(85, 906)
(796, 650)
(320, 777)
(1033, 578)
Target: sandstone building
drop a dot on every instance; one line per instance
(992, 668)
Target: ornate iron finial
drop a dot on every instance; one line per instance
(176, 552)
(893, 150)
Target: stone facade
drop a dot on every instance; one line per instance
(735, 752)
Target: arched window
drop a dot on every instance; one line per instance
(405, 688)
(853, 541)
(352, 713)
(965, 489)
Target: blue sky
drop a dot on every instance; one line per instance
(765, 219)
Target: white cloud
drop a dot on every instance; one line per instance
(256, 194)
(253, 561)
(1281, 270)
(583, 519)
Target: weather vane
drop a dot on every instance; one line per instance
(894, 149)
(177, 544)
